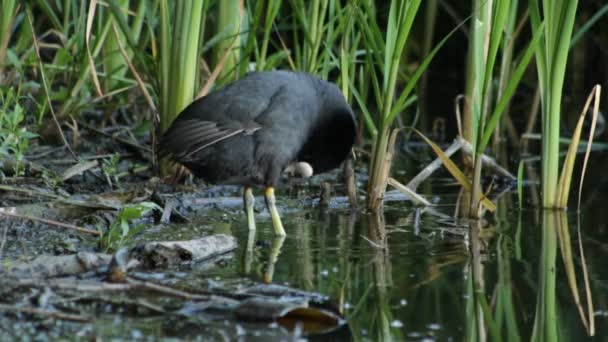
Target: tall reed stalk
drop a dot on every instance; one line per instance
(507, 49)
(485, 109)
(310, 19)
(262, 17)
(349, 45)
(180, 34)
(114, 64)
(8, 11)
(487, 25)
(232, 21)
(180, 31)
(386, 52)
(551, 60)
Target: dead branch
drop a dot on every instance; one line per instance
(433, 166)
(46, 313)
(50, 222)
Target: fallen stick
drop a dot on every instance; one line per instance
(47, 266)
(80, 286)
(75, 285)
(78, 169)
(50, 222)
(433, 166)
(164, 253)
(458, 144)
(150, 255)
(414, 197)
(487, 161)
(28, 192)
(39, 312)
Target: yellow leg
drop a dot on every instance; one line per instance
(249, 255)
(274, 213)
(275, 250)
(249, 200)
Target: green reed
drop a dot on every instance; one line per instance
(8, 11)
(491, 21)
(384, 52)
(551, 61)
(180, 32)
(263, 18)
(232, 21)
(114, 65)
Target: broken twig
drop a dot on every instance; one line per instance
(46, 313)
(51, 222)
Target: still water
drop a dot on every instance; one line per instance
(431, 277)
(410, 274)
(420, 274)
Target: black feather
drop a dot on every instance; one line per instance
(249, 131)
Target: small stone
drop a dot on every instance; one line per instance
(397, 324)
(433, 326)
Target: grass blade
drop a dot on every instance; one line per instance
(403, 97)
(565, 178)
(510, 88)
(520, 183)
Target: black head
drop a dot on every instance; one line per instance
(333, 134)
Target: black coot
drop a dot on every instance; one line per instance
(248, 133)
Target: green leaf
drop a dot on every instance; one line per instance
(520, 183)
(13, 59)
(399, 105)
(28, 135)
(367, 116)
(510, 88)
(63, 57)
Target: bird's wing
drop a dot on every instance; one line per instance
(241, 108)
(187, 137)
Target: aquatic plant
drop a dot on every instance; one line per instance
(551, 61)
(383, 56)
(490, 22)
(121, 230)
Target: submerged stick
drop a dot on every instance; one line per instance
(348, 173)
(486, 161)
(434, 165)
(415, 197)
